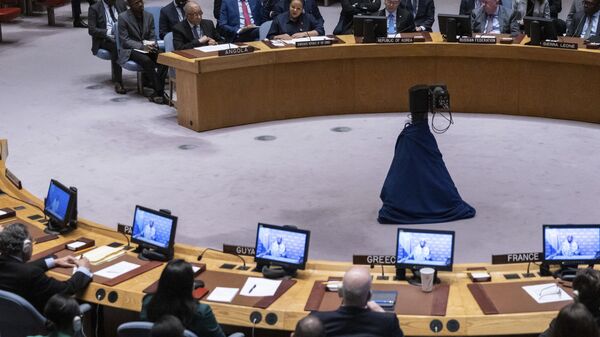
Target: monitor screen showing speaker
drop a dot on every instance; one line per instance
(60, 205)
(571, 244)
(282, 245)
(153, 229)
(418, 248)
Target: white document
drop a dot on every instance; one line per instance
(98, 254)
(75, 245)
(225, 46)
(2, 212)
(547, 293)
(260, 287)
(116, 269)
(141, 51)
(306, 39)
(222, 294)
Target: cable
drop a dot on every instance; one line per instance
(222, 252)
(449, 119)
(253, 326)
(27, 202)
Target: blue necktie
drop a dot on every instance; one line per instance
(391, 29)
(195, 32)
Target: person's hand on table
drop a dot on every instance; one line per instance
(65, 262)
(282, 37)
(374, 307)
(83, 262)
(300, 35)
(246, 28)
(207, 40)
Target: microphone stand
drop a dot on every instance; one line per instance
(243, 267)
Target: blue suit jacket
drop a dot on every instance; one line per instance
(229, 18)
(168, 19)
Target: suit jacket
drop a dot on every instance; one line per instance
(508, 21)
(521, 8)
(131, 36)
(555, 8)
(353, 321)
(97, 22)
(350, 8)
(310, 7)
(425, 13)
(576, 7)
(229, 18)
(168, 19)
(183, 38)
(404, 20)
(577, 25)
(29, 280)
(305, 23)
(467, 6)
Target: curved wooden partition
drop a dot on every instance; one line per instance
(462, 307)
(348, 78)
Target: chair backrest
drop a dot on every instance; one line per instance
(263, 30)
(18, 317)
(142, 329)
(155, 11)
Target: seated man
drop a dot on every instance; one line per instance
(29, 279)
(194, 31)
(492, 18)
(585, 22)
(576, 7)
(309, 7)
(170, 15)
(423, 12)
(358, 316)
(309, 326)
(102, 18)
(239, 19)
(295, 24)
(468, 6)
(399, 20)
(138, 43)
(350, 8)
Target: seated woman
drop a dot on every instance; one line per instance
(174, 297)
(295, 24)
(575, 320)
(64, 316)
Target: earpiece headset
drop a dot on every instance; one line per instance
(27, 247)
(77, 326)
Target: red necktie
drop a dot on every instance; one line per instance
(247, 21)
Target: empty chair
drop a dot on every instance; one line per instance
(169, 48)
(263, 30)
(142, 329)
(155, 11)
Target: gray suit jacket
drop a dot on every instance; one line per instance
(577, 25)
(507, 19)
(130, 35)
(97, 22)
(576, 7)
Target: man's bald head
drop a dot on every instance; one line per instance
(309, 326)
(356, 287)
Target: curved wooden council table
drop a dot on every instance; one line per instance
(462, 307)
(348, 78)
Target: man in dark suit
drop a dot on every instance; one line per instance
(138, 43)
(29, 279)
(492, 18)
(194, 31)
(310, 7)
(585, 22)
(238, 26)
(358, 316)
(103, 34)
(399, 20)
(170, 15)
(423, 12)
(350, 8)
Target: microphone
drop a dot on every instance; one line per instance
(243, 267)
(382, 276)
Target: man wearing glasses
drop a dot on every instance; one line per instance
(585, 22)
(194, 31)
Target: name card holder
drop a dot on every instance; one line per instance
(319, 43)
(371, 260)
(477, 40)
(517, 258)
(236, 51)
(395, 40)
(559, 45)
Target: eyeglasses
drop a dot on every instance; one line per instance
(549, 291)
(195, 14)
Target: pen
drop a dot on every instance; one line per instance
(254, 286)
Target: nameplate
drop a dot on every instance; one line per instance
(559, 45)
(239, 250)
(388, 260)
(236, 51)
(517, 258)
(395, 40)
(305, 44)
(478, 40)
(13, 179)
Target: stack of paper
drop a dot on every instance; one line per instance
(116, 269)
(222, 294)
(102, 253)
(260, 287)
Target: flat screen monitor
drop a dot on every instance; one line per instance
(463, 24)
(379, 25)
(60, 206)
(571, 244)
(154, 229)
(539, 29)
(419, 248)
(282, 246)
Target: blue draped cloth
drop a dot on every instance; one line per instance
(418, 188)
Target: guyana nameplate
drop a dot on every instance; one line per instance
(239, 250)
(318, 43)
(236, 51)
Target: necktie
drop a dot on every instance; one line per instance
(195, 32)
(111, 11)
(390, 24)
(588, 32)
(415, 4)
(247, 21)
(490, 24)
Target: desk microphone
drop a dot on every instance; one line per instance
(382, 276)
(243, 267)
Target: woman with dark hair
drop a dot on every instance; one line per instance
(64, 316)
(167, 326)
(586, 287)
(575, 320)
(174, 297)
